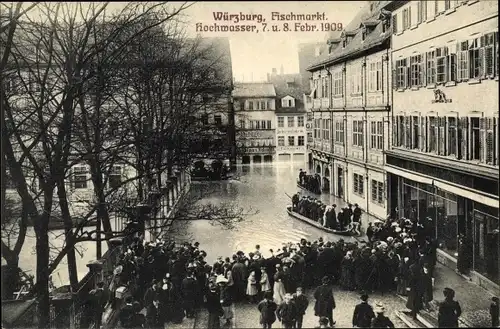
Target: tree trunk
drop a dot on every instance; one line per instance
(42, 264)
(68, 232)
(102, 210)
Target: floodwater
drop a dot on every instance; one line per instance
(263, 190)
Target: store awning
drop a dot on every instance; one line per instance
(409, 175)
(467, 193)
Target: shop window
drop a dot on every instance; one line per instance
(446, 222)
(486, 241)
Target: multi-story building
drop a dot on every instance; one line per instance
(443, 164)
(351, 104)
(290, 118)
(254, 106)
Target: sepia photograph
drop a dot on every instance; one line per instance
(250, 164)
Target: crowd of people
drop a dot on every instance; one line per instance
(347, 218)
(170, 281)
(311, 183)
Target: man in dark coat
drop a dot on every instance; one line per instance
(331, 218)
(295, 201)
(189, 293)
(287, 312)
(415, 295)
(380, 320)
(325, 302)
(151, 302)
(239, 274)
(214, 307)
(363, 313)
(356, 218)
(267, 309)
(449, 310)
(301, 302)
(126, 313)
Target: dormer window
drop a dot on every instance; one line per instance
(288, 101)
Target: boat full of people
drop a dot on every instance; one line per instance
(294, 214)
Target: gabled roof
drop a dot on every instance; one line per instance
(254, 89)
(357, 45)
(284, 89)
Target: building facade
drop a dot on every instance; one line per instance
(351, 103)
(443, 164)
(254, 105)
(290, 118)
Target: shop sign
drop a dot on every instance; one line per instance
(440, 97)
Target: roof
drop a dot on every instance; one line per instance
(254, 89)
(357, 45)
(284, 88)
(13, 310)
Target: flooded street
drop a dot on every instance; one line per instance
(262, 188)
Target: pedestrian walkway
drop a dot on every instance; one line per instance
(474, 300)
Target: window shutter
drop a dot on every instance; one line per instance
(463, 131)
(408, 74)
(489, 141)
(394, 79)
(482, 139)
(441, 136)
(488, 61)
(421, 134)
(482, 70)
(395, 24)
(423, 68)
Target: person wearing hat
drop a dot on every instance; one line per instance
(151, 302)
(380, 320)
(356, 219)
(126, 313)
(301, 302)
(267, 309)
(189, 291)
(363, 313)
(325, 302)
(415, 300)
(449, 310)
(239, 274)
(495, 312)
(213, 306)
(287, 312)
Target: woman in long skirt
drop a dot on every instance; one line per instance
(252, 290)
(264, 281)
(403, 277)
(279, 291)
(347, 276)
(427, 287)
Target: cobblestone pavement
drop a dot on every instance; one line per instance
(247, 316)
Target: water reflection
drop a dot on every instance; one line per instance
(263, 188)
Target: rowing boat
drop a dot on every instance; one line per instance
(316, 224)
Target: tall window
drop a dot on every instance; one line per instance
(416, 70)
(423, 134)
(401, 74)
(290, 121)
(80, 177)
(488, 42)
(407, 132)
(339, 131)
(357, 133)
(377, 192)
(475, 59)
(489, 130)
(242, 123)
(281, 122)
(431, 67)
(452, 137)
(406, 18)
(415, 127)
(291, 140)
(377, 129)
(281, 140)
(317, 128)
(250, 105)
(326, 129)
(475, 142)
(441, 67)
(269, 124)
(433, 132)
(300, 141)
(422, 12)
(463, 61)
(115, 177)
(401, 131)
(263, 124)
(375, 82)
(356, 79)
(442, 136)
(358, 184)
(338, 87)
(263, 105)
(257, 124)
(300, 121)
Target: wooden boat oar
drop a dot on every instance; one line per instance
(287, 195)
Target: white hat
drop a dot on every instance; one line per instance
(398, 229)
(221, 279)
(379, 308)
(394, 224)
(390, 239)
(256, 257)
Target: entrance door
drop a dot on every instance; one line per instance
(340, 183)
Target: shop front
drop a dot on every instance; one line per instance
(465, 229)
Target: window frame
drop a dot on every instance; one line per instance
(79, 171)
(291, 140)
(281, 122)
(300, 121)
(290, 123)
(281, 140)
(299, 139)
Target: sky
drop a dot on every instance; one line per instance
(254, 54)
